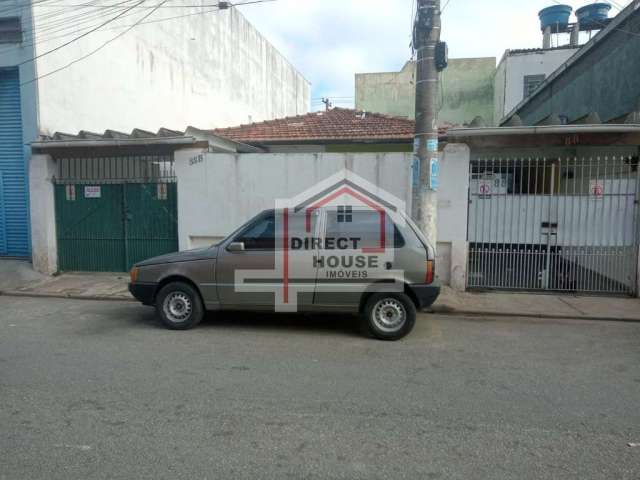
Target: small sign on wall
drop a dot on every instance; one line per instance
(415, 171)
(70, 191)
(434, 177)
(92, 191)
(596, 189)
(485, 187)
(162, 191)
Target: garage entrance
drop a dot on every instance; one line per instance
(561, 224)
(112, 212)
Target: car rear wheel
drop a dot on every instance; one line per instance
(389, 316)
(179, 306)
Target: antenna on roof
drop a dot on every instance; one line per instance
(327, 103)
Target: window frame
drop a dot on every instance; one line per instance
(11, 31)
(238, 236)
(397, 233)
(529, 80)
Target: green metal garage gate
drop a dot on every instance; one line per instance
(112, 212)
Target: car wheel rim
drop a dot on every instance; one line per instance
(177, 307)
(389, 315)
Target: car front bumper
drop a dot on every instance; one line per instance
(425, 294)
(143, 292)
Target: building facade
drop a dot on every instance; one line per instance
(65, 68)
(521, 72)
(206, 183)
(599, 84)
(466, 91)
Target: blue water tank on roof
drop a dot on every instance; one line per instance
(593, 16)
(556, 17)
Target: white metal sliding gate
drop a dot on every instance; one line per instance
(564, 224)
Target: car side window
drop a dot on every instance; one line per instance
(260, 235)
(363, 225)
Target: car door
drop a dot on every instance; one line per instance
(250, 264)
(371, 239)
(258, 239)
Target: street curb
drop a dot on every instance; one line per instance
(15, 293)
(470, 313)
(438, 310)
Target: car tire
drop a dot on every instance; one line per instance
(388, 316)
(179, 306)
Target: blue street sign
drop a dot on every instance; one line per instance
(415, 171)
(434, 180)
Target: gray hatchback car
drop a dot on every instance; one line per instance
(373, 263)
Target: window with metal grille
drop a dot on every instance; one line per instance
(345, 214)
(10, 30)
(531, 83)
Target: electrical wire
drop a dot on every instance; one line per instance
(206, 5)
(141, 21)
(62, 32)
(20, 6)
(75, 39)
(194, 13)
(92, 52)
(66, 23)
(83, 18)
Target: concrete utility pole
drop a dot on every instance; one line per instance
(426, 41)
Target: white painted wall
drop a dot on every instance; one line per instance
(44, 244)
(207, 70)
(453, 209)
(217, 195)
(509, 79)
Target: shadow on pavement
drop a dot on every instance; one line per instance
(133, 316)
(338, 323)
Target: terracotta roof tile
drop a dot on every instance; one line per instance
(335, 124)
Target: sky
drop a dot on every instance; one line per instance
(329, 41)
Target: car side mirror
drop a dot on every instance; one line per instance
(236, 247)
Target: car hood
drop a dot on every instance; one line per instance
(185, 256)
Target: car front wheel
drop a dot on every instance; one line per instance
(179, 306)
(389, 316)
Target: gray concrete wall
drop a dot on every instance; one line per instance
(605, 80)
(207, 70)
(466, 91)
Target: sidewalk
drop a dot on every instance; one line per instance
(537, 305)
(17, 278)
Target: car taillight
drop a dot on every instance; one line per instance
(428, 278)
(134, 274)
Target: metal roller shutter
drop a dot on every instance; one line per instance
(14, 215)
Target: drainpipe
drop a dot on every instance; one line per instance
(575, 35)
(546, 38)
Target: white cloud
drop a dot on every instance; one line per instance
(331, 40)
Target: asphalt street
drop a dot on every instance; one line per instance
(100, 390)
